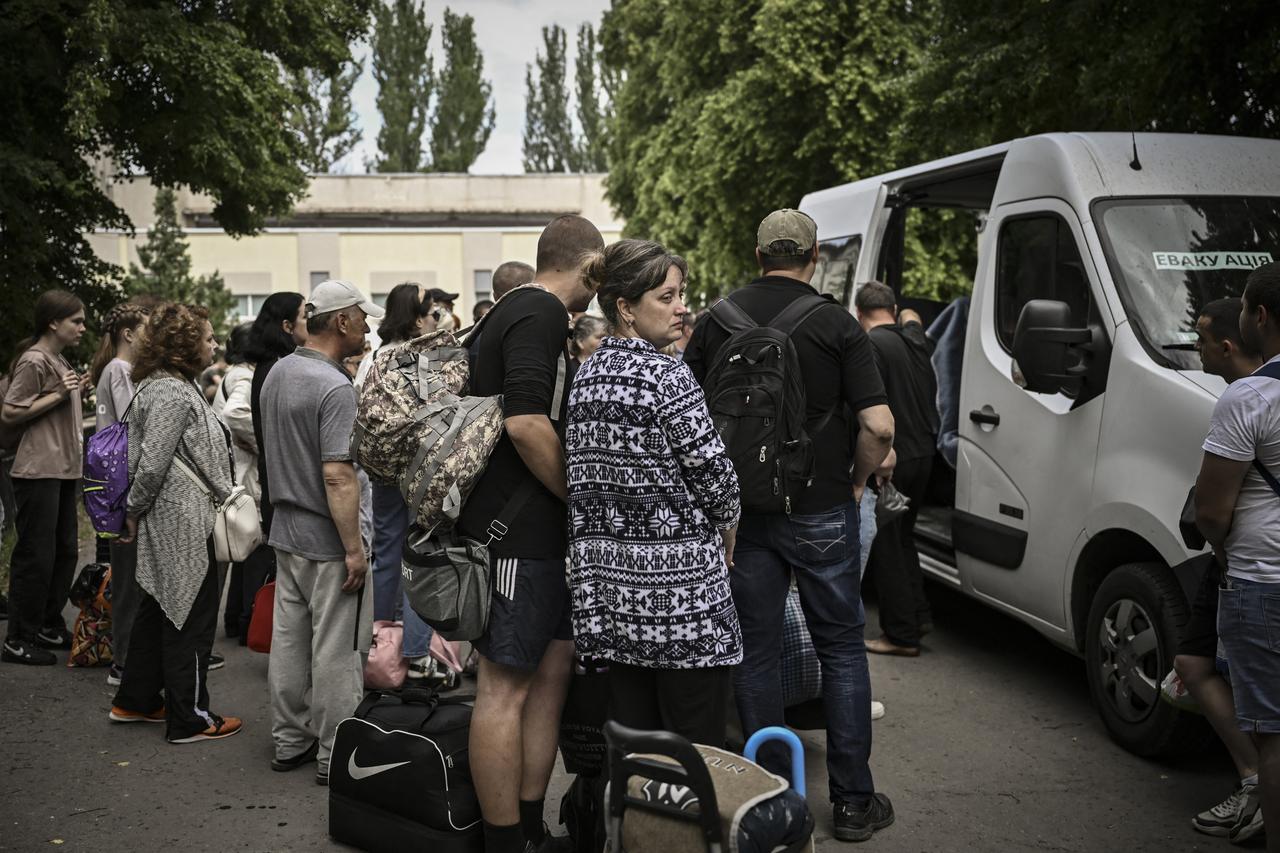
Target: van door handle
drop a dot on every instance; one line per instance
(978, 416)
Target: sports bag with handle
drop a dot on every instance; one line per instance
(399, 776)
(236, 527)
(755, 392)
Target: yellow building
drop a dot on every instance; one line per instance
(442, 230)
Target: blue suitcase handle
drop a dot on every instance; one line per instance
(789, 738)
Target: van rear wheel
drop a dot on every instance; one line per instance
(1131, 636)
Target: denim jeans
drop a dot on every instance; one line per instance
(866, 528)
(822, 551)
(390, 524)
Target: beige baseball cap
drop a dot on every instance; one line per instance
(789, 225)
(336, 294)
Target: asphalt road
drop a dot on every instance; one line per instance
(989, 744)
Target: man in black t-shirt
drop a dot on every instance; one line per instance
(903, 356)
(527, 649)
(851, 428)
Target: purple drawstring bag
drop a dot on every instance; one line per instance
(106, 479)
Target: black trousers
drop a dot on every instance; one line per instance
(164, 657)
(44, 558)
(693, 703)
(895, 563)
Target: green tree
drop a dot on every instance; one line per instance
(323, 116)
(592, 111)
(190, 93)
(166, 269)
(549, 144)
(405, 74)
(1001, 69)
(729, 109)
(464, 115)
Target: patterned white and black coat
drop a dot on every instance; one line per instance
(650, 485)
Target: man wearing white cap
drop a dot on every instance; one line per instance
(308, 411)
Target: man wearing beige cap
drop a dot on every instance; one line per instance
(812, 536)
(308, 407)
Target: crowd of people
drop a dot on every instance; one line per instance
(643, 537)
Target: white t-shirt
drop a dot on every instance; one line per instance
(1246, 426)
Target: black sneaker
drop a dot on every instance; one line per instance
(57, 637)
(25, 651)
(1249, 823)
(216, 661)
(283, 765)
(859, 824)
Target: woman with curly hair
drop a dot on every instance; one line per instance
(174, 441)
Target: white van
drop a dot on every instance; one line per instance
(1072, 461)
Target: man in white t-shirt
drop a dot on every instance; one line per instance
(1238, 510)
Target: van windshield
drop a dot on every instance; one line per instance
(1171, 256)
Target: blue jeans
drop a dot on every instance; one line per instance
(866, 528)
(1249, 627)
(390, 524)
(822, 551)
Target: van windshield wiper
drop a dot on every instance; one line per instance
(1180, 347)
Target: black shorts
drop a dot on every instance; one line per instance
(1200, 635)
(530, 608)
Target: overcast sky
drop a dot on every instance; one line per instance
(509, 34)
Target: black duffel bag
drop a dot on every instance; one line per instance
(399, 777)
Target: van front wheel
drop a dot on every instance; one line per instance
(1130, 640)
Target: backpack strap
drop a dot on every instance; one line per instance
(731, 317)
(793, 316)
(1270, 370)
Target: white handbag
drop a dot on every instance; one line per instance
(236, 528)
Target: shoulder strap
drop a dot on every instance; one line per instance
(1270, 370)
(499, 526)
(790, 318)
(731, 317)
(190, 472)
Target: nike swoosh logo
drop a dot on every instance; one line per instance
(358, 772)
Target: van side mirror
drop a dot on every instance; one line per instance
(1045, 346)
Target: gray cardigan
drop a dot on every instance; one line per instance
(175, 519)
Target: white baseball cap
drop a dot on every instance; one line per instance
(336, 294)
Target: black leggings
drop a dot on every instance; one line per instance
(44, 559)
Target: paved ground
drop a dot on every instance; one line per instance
(989, 744)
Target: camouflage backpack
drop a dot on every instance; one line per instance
(416, 428)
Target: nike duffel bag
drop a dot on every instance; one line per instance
(399, 777)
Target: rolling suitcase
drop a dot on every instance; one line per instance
(399, 777)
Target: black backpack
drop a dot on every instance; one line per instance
(755, 391)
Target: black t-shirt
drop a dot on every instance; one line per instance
(902, 355)
(521, 348)
(840, 376)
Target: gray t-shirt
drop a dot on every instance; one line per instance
(308, 409)
(115, 392)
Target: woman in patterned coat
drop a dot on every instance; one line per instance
(653, 508)
(171, 518)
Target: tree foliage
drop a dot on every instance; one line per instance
(405, 74)
(190, 93)
(592, 106)
(166, 269)
(464, 115)
(323, 115)
(1001, 69)
(729, 108)
(549, 143)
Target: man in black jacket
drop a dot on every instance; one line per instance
(816, 542)
(903, 358)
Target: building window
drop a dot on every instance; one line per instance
(248, 305)
(483, 285)
(380, 299)
(318, 276)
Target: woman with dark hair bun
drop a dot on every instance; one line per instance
(653, 508)
(279, 329)
(178, 472)
(42, 406)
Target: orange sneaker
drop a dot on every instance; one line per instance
(120, 715)
(222, 727)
